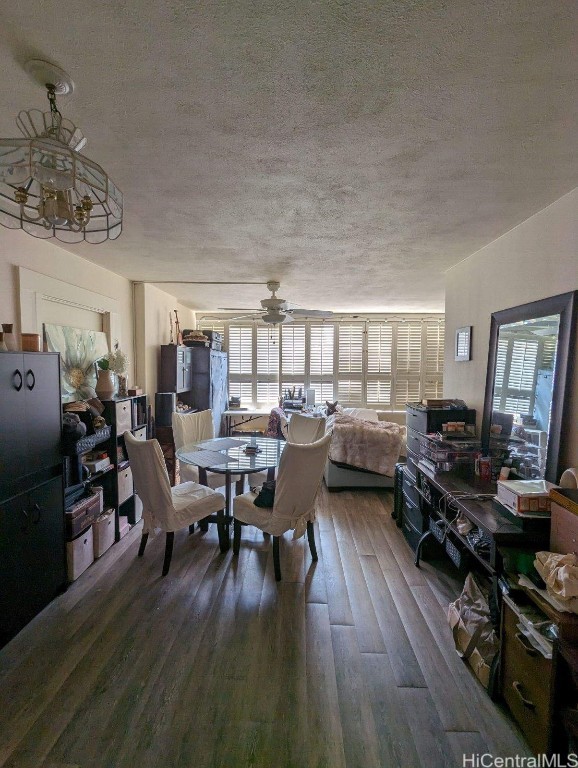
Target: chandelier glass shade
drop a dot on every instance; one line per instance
(48, 189)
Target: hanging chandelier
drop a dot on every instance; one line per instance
(47, 188)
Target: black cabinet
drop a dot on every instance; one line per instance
(199, 376)
(175, 368)
(209, 382)
(32, 558)
(32, 554)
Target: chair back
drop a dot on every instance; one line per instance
(305, 429)
(151, 482)
(298, 480)
(192, 427)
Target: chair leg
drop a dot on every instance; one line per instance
(168, 552)
(236, 537)
(191, 528)
(223, 531)
(276, 560)
(143, 542)
(204, 525)
(311, 540)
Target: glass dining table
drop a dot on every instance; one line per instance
(230, 456)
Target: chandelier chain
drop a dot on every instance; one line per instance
(55, 115)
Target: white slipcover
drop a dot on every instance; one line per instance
(305, 429)
(194, 428)
(298, 480)
(165, 508)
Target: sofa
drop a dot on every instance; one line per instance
(339, 476)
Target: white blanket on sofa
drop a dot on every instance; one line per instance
(370, 445)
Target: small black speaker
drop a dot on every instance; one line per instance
(165, 405)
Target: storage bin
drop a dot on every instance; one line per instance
(79, 554)
(140, 434)
(125, 488)
(123, 413)
(82, 515)
(412, 512)
(123, 526)
(424, 420)
(103, 533)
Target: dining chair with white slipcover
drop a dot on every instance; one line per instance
(170, 509)
(189, 428)
(305, 429)
(298, 480)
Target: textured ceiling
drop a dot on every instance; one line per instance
(352, 150)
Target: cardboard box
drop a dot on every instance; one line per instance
(525, 495)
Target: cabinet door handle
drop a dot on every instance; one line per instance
(30, 373)
(18, 377)
(525, 643)
(517, 686)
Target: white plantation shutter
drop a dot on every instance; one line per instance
(293, 357)
(379, 369)
(433, 359)
(350, 363)
(408, 363)
(380, 363)
(240, 347)
(267, 365)
(516, 370)
(322, 360)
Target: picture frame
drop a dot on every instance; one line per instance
(463, 346)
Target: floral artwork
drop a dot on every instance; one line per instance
(79, 350)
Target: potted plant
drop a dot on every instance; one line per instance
(115, 363)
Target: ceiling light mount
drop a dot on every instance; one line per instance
(47, 188)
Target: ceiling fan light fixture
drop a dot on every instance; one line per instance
(47, 188)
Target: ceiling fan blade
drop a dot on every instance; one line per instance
(239, 309)
(299, 312)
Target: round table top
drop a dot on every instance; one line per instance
(270, 450)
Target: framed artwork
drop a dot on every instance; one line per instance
(463, 348)
(79, 350)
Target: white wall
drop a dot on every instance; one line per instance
(537, 259)
(153, 309)
(140, 338)
(17, 249)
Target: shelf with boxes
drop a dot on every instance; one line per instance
(100, 503)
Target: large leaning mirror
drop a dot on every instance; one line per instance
(529, 368)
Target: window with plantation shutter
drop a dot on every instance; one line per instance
(322, 360)
(350, 363)
(382, 363)
(240, 348)
(408, 363)
(517, 364)
(379, 385)
(267, 365)
(433, 359)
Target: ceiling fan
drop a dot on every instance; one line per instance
(275, 310)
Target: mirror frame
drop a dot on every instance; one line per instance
(565, 305)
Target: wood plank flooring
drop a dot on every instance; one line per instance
(347, 663)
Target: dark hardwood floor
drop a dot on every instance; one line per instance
(347, 662)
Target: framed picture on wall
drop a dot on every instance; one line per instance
(463, 348)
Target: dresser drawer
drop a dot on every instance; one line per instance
(527, 684)
(409, 488)
(125, 488)
(123, 416)
(412, 512)
(412, 440)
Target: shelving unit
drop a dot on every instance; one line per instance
(123, 414)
